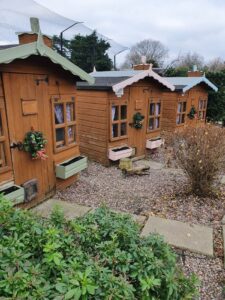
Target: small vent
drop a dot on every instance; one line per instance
(31, 189)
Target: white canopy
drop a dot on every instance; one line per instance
(15, 17)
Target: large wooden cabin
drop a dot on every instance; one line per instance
(125, 112)
(37, 93)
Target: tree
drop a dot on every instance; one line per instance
(216, 100)
(176, 72)
(86, 52)
(216, 64)
(189, 60)
(154, 51)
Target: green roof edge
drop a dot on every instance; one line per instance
(39, 48)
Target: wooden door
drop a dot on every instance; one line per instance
(28, 107)
(137, 103)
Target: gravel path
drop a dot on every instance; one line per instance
(160, 193)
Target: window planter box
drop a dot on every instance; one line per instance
(71, 167)
(14, 193)
(119, 152)
(154, 143)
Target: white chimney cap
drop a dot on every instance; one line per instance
(143, 59)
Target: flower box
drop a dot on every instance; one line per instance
(119, 152)
(71, 167)
(14, 193)
(154, 143)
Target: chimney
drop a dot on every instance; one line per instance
(195, 72)
(32, 36)
(143, 65)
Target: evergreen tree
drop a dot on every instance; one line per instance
(216, 102)
(86, 52)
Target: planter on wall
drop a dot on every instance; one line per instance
(71, 167)
(14, 193)
(119, 152)
(154, 143)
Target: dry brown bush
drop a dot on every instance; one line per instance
(200, 152)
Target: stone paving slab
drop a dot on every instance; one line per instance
(182, 235)
(71, 210)
(137, 218)
(152, 164)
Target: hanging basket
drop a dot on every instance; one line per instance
(34, 143)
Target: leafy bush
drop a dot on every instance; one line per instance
(200, 152)
(100, 256)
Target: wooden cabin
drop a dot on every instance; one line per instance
(121, 113)
(38, 95)
(125, 112)
(187, 105)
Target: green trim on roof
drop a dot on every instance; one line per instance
(40, 49)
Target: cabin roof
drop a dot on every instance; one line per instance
(186, 83)
(118, 80)
(9, 54)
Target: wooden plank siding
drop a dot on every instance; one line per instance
(170, 104)
(92, 113)
(60, 83)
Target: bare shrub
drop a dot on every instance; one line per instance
(200, 152)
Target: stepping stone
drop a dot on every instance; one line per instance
(182, 235)
(71, 210)
(137, 218)
(155, 165)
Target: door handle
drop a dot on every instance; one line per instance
(18, 145)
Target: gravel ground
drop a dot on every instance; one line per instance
(160, 193)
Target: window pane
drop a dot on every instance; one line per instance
(151, 123)
(184, 106)
(152, 109)
(123, 112)
(178, 119)
(204, 105)
(123, 129)
(158, 109)
(71, 130)
(2, 155)
(179, 108)
(182, 118)
(157, 122)
(59, 117)
(70, 113)
(60, 137)
(115, 130)
(115, 113)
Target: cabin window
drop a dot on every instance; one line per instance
(64, 123)
(202, 105)
(118, 121)
(4, 145)
(181, 112)
(154, 115)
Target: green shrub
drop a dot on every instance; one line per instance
(100, 256)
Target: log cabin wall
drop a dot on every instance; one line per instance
(61, 85)
(92, 111)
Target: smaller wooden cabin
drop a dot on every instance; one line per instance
(37, 96)
(121, 113)
(187, 105)
(125, 113)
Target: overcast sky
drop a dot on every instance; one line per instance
(182, 25)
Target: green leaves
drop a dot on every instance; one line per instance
(100, 256)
